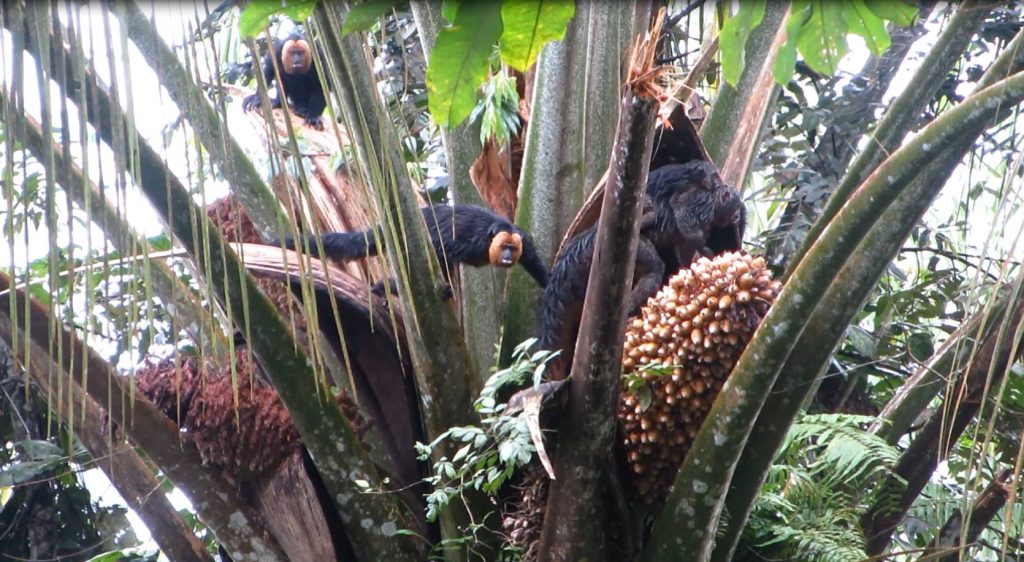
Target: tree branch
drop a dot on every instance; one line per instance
(576, 517)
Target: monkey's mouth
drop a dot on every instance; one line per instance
(506, 259)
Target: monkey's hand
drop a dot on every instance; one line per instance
(251, 102)
(315, 122)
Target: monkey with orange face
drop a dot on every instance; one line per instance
(460, 234)
(299, 83)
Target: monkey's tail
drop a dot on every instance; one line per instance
(344, 246)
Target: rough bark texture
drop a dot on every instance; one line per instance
(576, 518)
(300, 527)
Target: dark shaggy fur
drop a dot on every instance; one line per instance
(694, 212)
(562, 302)
(460, 234)
(688, 210)
(299, 80)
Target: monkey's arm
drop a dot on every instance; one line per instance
(253, 101)
(532, 263)
(315, 106)
(338, 245)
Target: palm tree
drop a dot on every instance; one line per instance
(290, 396)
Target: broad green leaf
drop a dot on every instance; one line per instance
(362, 16)
(785, 61)
(529, 25)
(899, 12)
(863, 22)
(823, 38)
(256, 13)
(733, 39)
(449, 9)
(460, 62)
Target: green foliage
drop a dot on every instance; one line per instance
(460, 62)
(811, 503)
(37, 458)
(529, 25)
(498, 111)
(734, 36)
(898, 12)
(815, 28)
(362, 16)
(43, 475)
(461, 59)
(448, 10)
(487, 456)
(462, 56)
(256, 13)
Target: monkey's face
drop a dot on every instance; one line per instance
(296, 56)
(728, 207)
(506, 247)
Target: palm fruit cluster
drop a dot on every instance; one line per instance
(523, 516)
(237, 423)
(678, 354)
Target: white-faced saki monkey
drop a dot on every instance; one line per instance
(688, 210)
(459, 234)
(299, 81)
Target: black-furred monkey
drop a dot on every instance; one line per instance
(300, 83)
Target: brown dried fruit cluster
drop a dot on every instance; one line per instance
(241, 427)
(678, 354)
(523, 517)
(229, 217)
